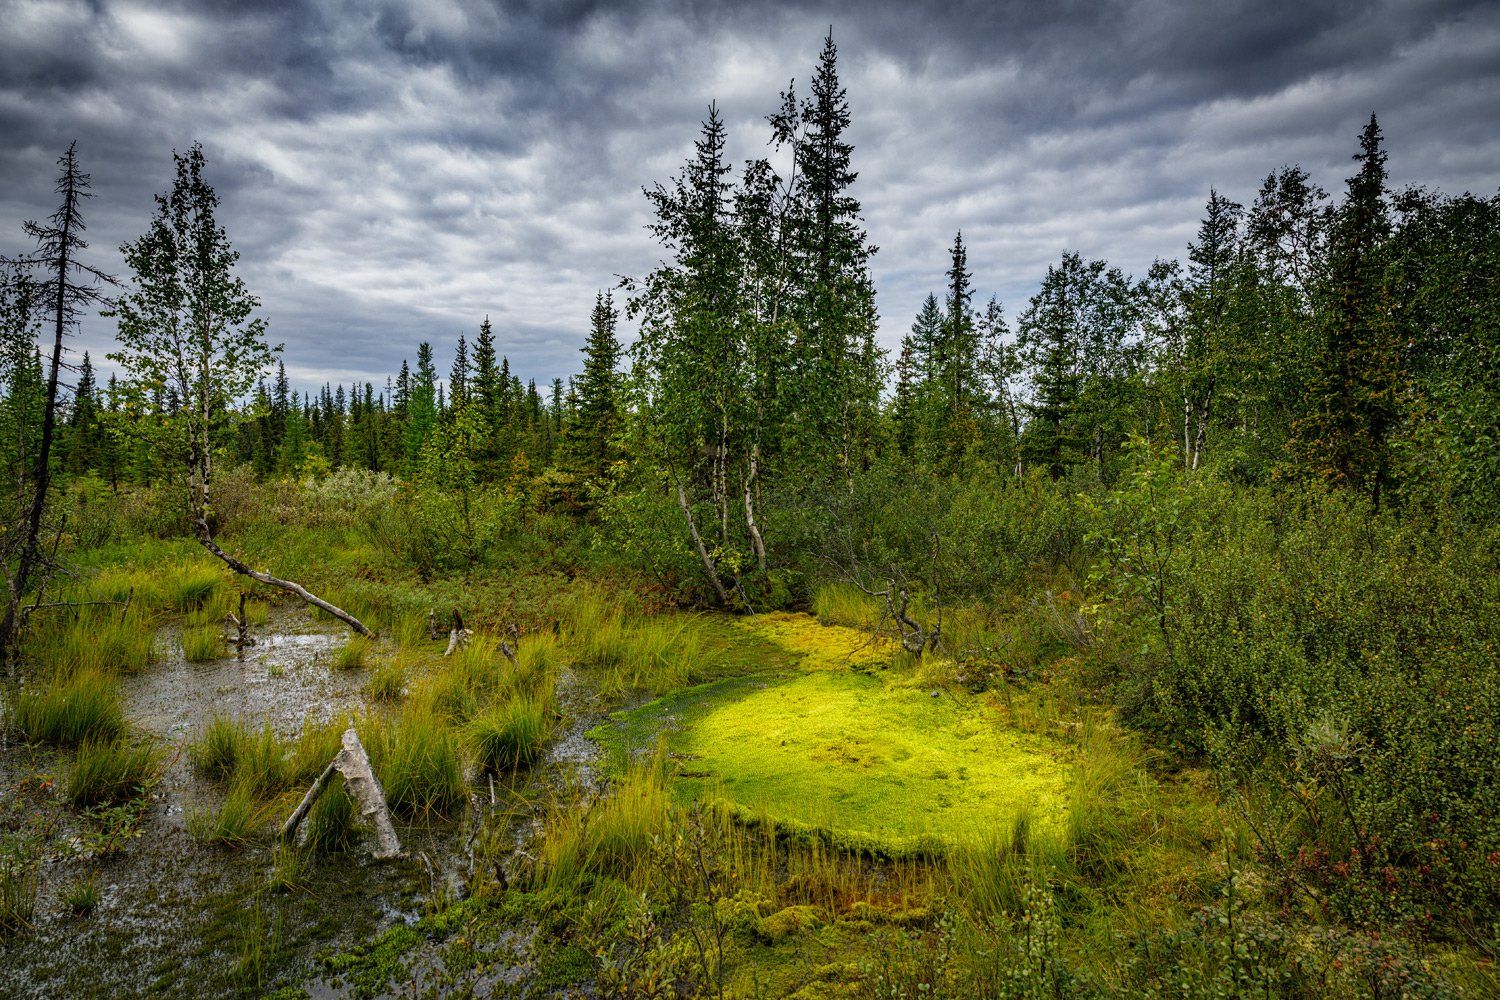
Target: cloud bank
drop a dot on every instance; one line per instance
(392, 172)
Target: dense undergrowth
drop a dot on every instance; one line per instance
(1278, 709)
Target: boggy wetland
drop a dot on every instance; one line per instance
(1133, 638)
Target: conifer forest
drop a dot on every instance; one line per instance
(1133, 638)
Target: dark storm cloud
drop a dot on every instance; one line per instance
(392, 172)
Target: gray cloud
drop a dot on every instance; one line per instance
(392, 172)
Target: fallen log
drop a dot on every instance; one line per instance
(359, 780)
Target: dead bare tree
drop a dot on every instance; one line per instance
(56, 279)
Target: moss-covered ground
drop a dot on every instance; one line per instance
(871, 763)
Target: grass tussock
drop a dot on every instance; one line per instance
(18, 891)
(232, 823)
(102, 639)
(354, 654)
(331, 822)
(252, 759)
(847, 605)
(82, 896)
(188, 586)
(416, 758)
(512, 734)
(387, 681)
(653, 654)
(68, 709)
(111, 771)
(610, 836)
(203, 643)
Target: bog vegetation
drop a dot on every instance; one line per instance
(1138, 640)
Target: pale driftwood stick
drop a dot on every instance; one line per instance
(207, 541)
(359, 779)
(289, 828)
(241, 623)
(364, 787)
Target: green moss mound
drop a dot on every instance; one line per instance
(873, 766)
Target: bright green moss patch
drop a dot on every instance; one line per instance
(874, 766)
(821, 647)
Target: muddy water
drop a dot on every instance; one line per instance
(176, 918)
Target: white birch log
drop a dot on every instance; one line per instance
(364, 788)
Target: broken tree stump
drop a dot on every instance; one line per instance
(241, 623)
(458, 636)
(359, 780)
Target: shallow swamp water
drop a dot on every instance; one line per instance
(178, 918)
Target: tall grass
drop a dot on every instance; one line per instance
(232, 823)
(353, 654)
(510, 735)
(216, 752)
(107, 772)
(416, 759)
(188, 586)
(845, 604)
(330, 822)
(609, 836)
(68, 709)
(653, 654)
(387, 680)
(202, 643)
(18, 891)
(99, 639)
(253, 760)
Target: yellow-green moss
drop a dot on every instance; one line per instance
(873, 765)
(822, 647)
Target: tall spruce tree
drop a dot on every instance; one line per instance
(592, 432)
(1352, 393)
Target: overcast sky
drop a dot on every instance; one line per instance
(393, 171)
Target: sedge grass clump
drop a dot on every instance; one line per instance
(120, 584)
(263, 767)
(109, 772)
(511, 735)
(353, 654)
(316, 745)
(387, 681)
(538, 657)
(69, 709)
(331, 821)
(288, 870)
(232, 823)
(610, 836)
(219, 747)
(18, 891)
(202, 643)
(94, 639)
(82, 896)
(418, 761)
(845, 604)
(190, 586)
